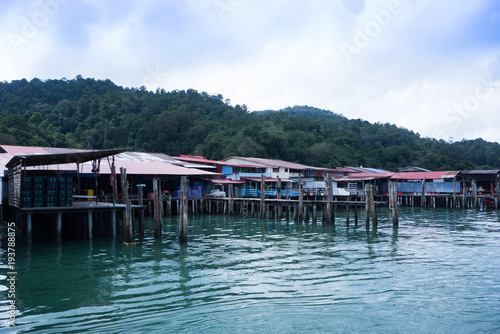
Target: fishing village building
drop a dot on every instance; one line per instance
(62, 189)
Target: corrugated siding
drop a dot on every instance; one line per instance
(15, 186)
(434, 187)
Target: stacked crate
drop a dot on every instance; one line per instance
(51, 191)
(26, 192)
(38, 191)
(65, 191)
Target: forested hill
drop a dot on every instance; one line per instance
(88, 113)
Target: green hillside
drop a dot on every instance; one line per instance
(88, 113)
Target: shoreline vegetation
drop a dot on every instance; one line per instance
(97, 114)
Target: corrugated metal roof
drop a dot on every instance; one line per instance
(137, 163)
(368, 176)
(202, 160)
(60, 158)
(364, 170)
(426, 175)
(483, 172)
(276, 163)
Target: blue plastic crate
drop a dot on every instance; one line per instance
(50, 199)
(38, 192)
(49, 192)
(26, 199)
(38, 179)
(51, 180)
(38, 199)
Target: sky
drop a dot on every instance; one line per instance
(429, 66)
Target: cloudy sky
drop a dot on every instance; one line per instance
(429, 66)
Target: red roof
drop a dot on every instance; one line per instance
(366, 176)
(399, 176)
(422, 175)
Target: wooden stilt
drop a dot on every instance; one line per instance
(301, 201)
(422, 198)
(113, 223)
(497, 193)
(474, 192)
(230, 210)
(347, 215)
(127, 214)
(355, 217)
(183, 218)
(141, 210)
(464, 194)
(59, 226)
(157, 217)
(329, 199)
(89, 225)
(393, 190)
(278, 196)
(262, 197)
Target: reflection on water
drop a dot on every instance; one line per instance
(437, 273)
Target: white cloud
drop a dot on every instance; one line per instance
(420, 58)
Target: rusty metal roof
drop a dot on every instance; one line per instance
(368, 176)
(137, 163)
(61, 158)
(275, 163)
(426, 175)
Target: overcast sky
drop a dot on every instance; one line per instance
(426, 65)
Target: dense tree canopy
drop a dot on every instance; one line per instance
(88, 113)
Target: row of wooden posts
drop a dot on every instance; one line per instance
(128, 231)
(300, 207)
(300, 210)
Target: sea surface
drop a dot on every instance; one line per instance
(439, 272)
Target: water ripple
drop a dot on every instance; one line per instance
(437, 273)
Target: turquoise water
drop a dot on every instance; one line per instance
(438, 273)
